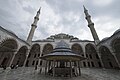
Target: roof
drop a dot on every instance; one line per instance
(13, 34)
(62, 52)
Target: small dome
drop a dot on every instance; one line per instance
(117, 31)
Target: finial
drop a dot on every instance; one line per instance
(39, 10)
(84, 8)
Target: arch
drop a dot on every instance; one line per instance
(92, 56)
(107, 58)
(7, 49)
(77, 48)
(47, 48)
(33, 55)
(20, 56)
(116, 47)
(90, 48)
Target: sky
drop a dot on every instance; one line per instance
(60, 16)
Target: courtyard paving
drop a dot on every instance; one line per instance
(87, 74)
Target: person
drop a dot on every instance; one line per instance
(16, 66)
(12, 66)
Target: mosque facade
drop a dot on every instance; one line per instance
(103, 53)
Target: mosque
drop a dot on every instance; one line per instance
(45, 53)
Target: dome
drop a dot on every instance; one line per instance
(62, 36)
(62, 44)
(62, 52)
(117, 31)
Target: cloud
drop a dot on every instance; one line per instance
(102, 3)
(106, 25)
(59, 16)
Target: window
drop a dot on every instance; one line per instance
(88, 64)
(97, 56)
(29, 55)
(84, 64)
(38, 55)
(86, 55)
(33, 62)
(41, 62)
(90, 56)
(110, 64)
(82, 54)
(27, 63)
(34, 55)
(17, 62)
(99, 64)
(92, 64)
(36, 62)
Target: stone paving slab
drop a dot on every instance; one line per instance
(31, 74)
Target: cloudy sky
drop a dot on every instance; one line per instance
(60, 16)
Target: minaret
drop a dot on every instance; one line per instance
(33, 27)
(91, 26)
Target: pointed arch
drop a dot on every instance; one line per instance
(7, 49)
(90, 48)
(47, 48)
(33, 55)
(107, 58)
(116, 47)
(92, 56)
(20, 56)
(77, 48)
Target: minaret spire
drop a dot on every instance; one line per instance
(33, 27)
(91, 26)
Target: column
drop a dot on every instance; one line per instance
(116, 60)
(49, 63)
(79, 68)
(13, 58)
(99, 55)
(46, 67)
(70, 68)
(40, 55)
(28, 51)
(54, 68)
